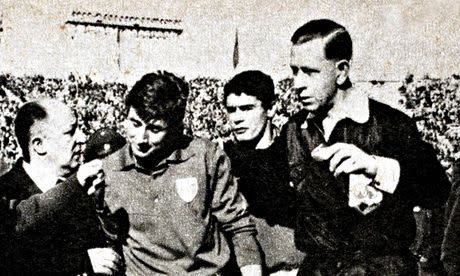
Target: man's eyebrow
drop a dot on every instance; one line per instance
(134, 119)
(240, 105)
(308, 69)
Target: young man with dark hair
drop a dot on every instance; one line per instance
(359, 166)
(51, 228)
(248, 96)
(179, 194)
(252, 83)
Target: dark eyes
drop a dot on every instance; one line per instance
(155, 129)
(135, 123)
(151, 128)
(246, 107)
(305, 70)
(232, 109)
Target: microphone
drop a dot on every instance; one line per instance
(115, 226)
(101, 144)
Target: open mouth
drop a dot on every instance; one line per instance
(143, 147)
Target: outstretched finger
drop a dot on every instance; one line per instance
(340, 156)
(322, 153)
(346, 167)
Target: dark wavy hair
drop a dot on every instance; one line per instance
(159, 95)
(252, 83)
(338, 44)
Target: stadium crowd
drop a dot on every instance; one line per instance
(98, 105)
(433, 103)
(341, 173)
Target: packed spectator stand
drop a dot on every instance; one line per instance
(433, 103)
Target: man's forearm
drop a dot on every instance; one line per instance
(247, 249)
(38, 209)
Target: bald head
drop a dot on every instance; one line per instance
(58, 115)
(41, 119)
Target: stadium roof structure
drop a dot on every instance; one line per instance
(124, 22)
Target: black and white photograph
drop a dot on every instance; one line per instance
(245, 137)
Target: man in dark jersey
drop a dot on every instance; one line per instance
(359, 166)
(248, 98)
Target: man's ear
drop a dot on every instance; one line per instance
(38, 145)
(343, 68)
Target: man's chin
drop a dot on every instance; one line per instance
(310, 107)
(242, 138)
(143, 154)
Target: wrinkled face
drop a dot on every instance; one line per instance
(64, 140)
(247, 116)
(146, 138)
(315, 77)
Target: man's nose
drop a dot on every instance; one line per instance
(299, 84)
(238, 116)
(144, 135)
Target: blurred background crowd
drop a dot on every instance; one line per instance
(433, 103)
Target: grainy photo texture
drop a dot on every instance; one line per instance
(302, 137)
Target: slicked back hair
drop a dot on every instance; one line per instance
(338, 44)
(28, 114)
(159, 95)
(252, 83)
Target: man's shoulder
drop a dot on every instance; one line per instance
(6, 176)
(200, 145)
(228, 144)
(14, 174)
(200, 141)
(13, 180)
(293, 123)
(297, 118)
(4, 166)
(231, 147)
(386, 112)
(377, 108)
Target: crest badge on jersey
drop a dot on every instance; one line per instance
(187, 188)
